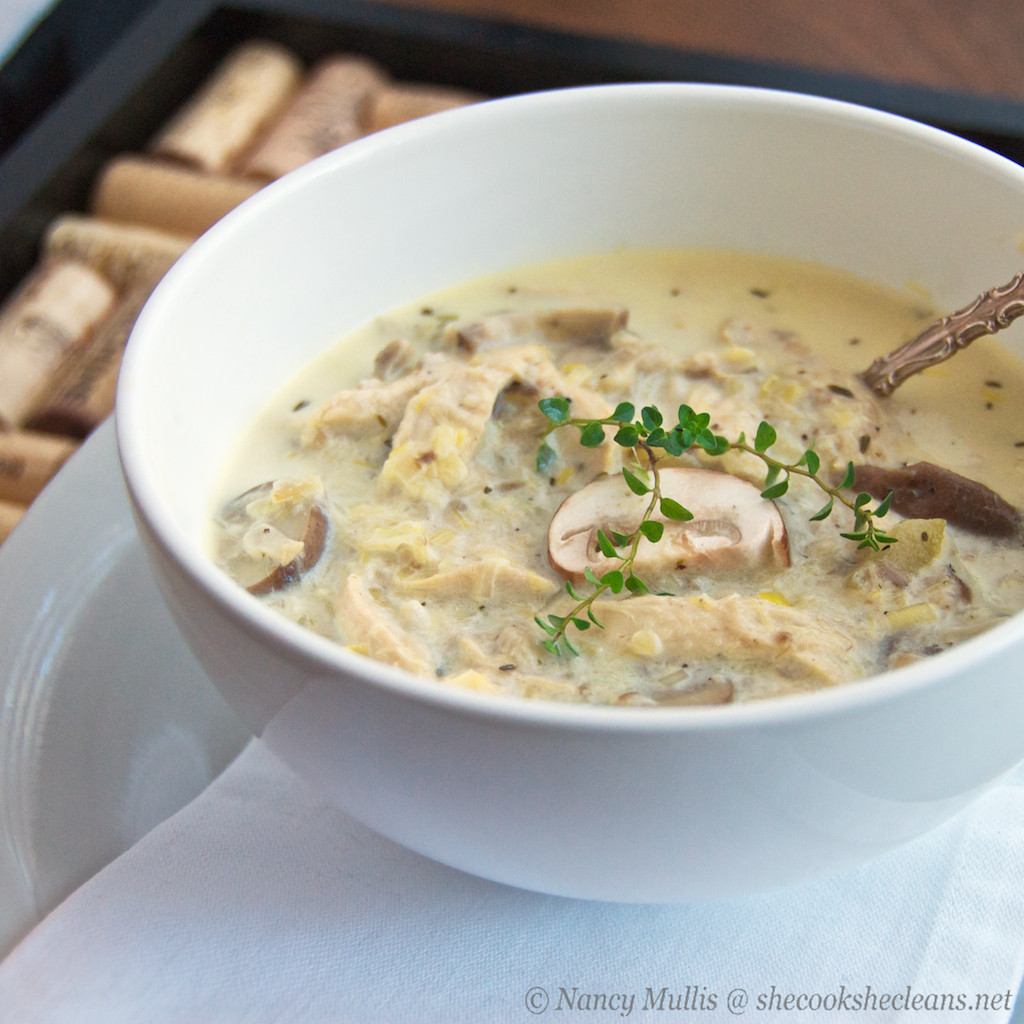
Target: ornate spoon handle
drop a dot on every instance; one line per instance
(988, 313)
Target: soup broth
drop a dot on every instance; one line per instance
(390, 496)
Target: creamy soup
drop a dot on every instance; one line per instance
(390, 497)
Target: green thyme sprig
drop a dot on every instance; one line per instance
(614, 545)
(649, 433)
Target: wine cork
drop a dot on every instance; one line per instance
(135, 190)
(240, 99)
(328, 111)
(82, 395)
(28, 461)
(125, 254)
(51, 314)
(402, 102)
(10, 513)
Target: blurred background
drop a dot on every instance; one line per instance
(947, 44)
(976, 46)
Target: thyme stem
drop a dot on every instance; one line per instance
(691, 430)
(621, 576)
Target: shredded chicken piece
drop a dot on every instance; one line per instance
(373, 404)
(445, 421)
(743, 629)
(363, 622)
(482, 580)
(530, 364)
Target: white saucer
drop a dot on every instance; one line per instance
(107, 725)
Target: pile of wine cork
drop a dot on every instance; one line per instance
(260, 114)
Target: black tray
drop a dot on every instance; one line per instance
(98, 77)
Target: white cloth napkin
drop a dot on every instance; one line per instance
(258, 902)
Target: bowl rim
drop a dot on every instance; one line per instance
(328, 658)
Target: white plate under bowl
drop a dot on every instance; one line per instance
(107, 724)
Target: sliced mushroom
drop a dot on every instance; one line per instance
(583, 326)
(394, 359)
(275, 533)
(733, 527)
(926, 491)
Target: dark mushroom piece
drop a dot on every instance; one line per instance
(583, 326)
(394, 359)
(296, 534)
(927, 491)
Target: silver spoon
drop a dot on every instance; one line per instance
(988, 313)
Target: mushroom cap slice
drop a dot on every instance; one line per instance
(927, 491)
(276, 533)
(732, 528)
(582, 326)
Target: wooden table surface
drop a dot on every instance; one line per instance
(974, 46)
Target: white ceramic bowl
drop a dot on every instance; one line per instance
(609, 803)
